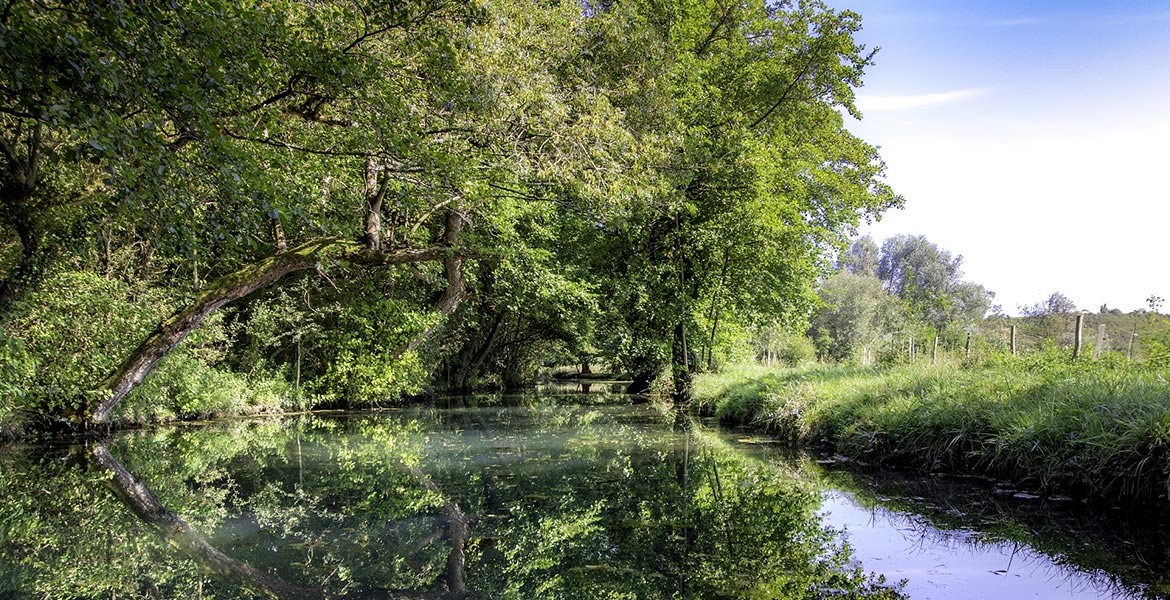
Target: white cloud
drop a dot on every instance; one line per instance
(890, 103)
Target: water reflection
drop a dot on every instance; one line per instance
(958, 565)
(531, 501)
(536, 496)
(941, 532)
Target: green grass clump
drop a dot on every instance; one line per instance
(1098, 430)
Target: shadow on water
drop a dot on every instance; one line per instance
(1088, 552)
(532, 496)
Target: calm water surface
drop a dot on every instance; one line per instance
(540, 496)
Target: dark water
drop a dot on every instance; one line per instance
(541, 496)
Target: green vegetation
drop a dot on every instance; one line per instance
(1094, 429)
(347, 203)
(906, 301)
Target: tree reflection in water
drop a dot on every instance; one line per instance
(537, 501)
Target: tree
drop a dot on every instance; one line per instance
(231, 133)
(856, 316)
(1052, 318)
(862, 257)
(759, 175)
(928, 279)
(681, 162)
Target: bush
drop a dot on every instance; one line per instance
(17, 368)
(795, 350)
(67, 335)
(75, 329)
(365, 361)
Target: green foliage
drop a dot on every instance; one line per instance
(368, 362)
(17, 369)
(73, 330)
(184, 387)
(879, 300)
(927, 278)
(775, 345)
(856, 319)
(680, 163)
(1157, 355)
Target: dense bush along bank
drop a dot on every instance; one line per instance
(1096, 430)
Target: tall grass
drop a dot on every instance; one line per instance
(1097, 430)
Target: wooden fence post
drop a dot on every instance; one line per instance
(1077, 335)
(934, 352)
(1013, 340)
(1100, 345)
(967, 347)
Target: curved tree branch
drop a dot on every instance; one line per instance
(235, 286)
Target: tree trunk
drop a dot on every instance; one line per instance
(447, 301)
(457, 534)
(645, 372)
(715, 310)
(470, 361)
(680, 365)
(375, 191)
(180, 533)
(17, 188)
(15, 197)
(233, 287)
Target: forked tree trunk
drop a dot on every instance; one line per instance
(232, 287)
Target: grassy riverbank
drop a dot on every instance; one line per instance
(1094, 430)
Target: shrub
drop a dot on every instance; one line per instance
(795, 350)
(68, 334)
(75, 329)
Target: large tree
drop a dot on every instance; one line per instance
(254, 140)
(759, 175)
(929, 280)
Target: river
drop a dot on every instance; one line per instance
(546, 495)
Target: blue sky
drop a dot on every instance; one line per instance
(1033, 138)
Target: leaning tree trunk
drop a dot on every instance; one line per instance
(180, 533)
(232, 287)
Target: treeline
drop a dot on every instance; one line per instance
(284, 205)
(906, 301)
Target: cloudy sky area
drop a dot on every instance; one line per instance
(1033, 138)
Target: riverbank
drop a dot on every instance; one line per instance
(1045, 423)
